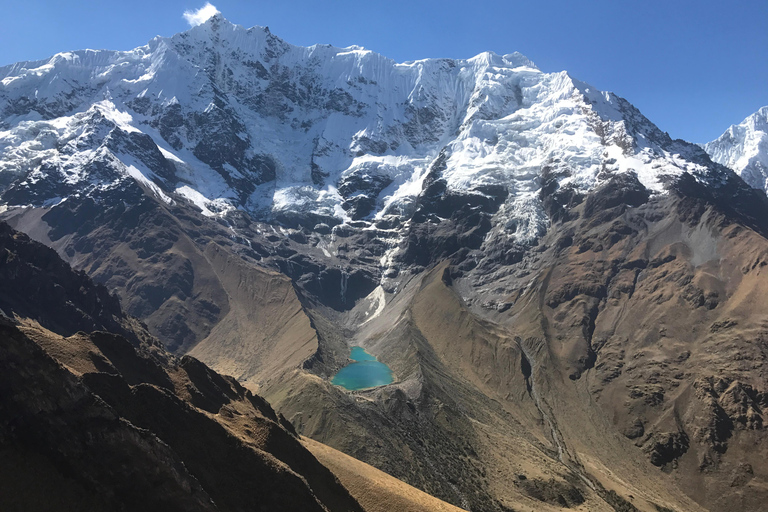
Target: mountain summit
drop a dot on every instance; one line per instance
(228, 117)
(744, 148)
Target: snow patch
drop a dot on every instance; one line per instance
(170, 156)
(122, 119)
(377, 303)
(137, 175)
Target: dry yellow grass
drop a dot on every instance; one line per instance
(375, 490)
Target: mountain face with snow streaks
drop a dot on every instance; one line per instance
(744, 148)
(233, 118)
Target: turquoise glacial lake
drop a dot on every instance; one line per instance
(364, 372)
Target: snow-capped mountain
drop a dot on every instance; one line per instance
(744, 148)
(233, 118)
(559, 288)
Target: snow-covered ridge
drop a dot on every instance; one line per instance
(744, 148)
(227, 117)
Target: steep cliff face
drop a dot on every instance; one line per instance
(35, 279)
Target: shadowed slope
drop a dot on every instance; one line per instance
(122, 427)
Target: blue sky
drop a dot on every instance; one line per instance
(692, 67)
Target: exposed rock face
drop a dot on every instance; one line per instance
(226, 118)
(35, 279)
(651, 308)
(639, 310)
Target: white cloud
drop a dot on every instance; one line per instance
(200, 16)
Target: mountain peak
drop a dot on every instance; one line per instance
(326, 135)
(517, 59)
(510, 60)
(759, 120)
(217, 22)
(743, 147)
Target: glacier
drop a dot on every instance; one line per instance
(228, 118)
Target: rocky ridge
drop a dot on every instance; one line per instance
(92, 421)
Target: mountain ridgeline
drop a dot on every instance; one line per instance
(568, 299)
(744, 148)
(97, 416)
